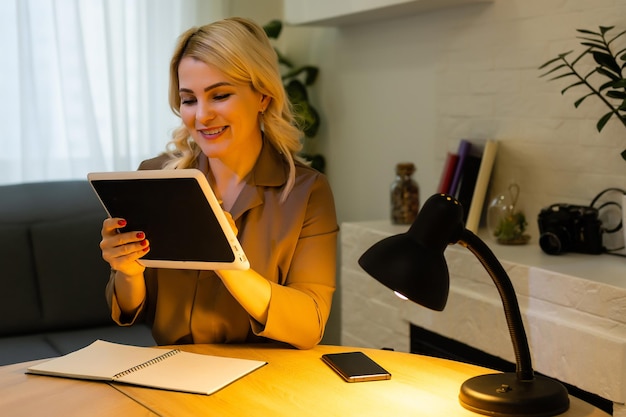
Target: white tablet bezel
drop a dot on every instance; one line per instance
(240, 261)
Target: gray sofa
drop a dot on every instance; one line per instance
(52, 275)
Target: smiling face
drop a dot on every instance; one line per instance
(221, 116)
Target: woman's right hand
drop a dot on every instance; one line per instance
(122, 250)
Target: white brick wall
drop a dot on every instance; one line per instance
(409, 88)
(489, 87)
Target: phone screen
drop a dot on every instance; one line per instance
(355, 366)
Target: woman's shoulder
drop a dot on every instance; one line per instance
(309, 178)
(155, 163)
(304, 168)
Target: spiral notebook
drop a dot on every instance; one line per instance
(168, 369)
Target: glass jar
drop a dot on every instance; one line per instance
(505, 220)
(405, 197)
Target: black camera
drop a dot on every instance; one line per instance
(567, 227)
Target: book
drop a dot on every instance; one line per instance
(449, 167)
(482, 183)
(469, 176)
(464, 149)
(168, 369)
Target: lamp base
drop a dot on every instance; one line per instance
(504, 395)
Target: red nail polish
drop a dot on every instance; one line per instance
(121, 222)
(146, 249)
(140, 235)
(144, 242)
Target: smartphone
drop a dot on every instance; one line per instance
(355, 366)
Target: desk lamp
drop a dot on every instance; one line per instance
(413, 265)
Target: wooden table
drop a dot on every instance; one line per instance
(23, 395)
(294, 383)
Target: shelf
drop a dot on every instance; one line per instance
(340, 13)
(602, 269)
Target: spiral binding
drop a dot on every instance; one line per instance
(147, 363)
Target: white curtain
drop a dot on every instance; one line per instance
(84, 84)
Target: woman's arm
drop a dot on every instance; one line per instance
(130, 292)
(295, 305)
(251, 290)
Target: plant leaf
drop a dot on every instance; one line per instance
(608, 84)
(573, 85)
(317, 161)
(605, 29)
(589, 32)
(310, 74)
(616, 94)
(283, 60)
(619, 83)
(545, 64)
(595, 45)
(558, 67)
(603, 121)
(311, 121)
(569, 74)
(607, 61)
(273, 28)
(296, 91)
(580, 100)
(596, 38)
(607, 73)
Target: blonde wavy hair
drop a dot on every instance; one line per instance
(240, 49)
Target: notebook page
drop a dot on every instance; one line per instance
(192, 372)
(100, 360)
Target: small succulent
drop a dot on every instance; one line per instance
(511, 228)
(609, 65)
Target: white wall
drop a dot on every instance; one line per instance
(409, 88)
(261, 11)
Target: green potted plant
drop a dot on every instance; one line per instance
(296, 80)
(609, 65)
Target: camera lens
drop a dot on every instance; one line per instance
(553, 243)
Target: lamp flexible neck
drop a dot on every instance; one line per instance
(512, 312)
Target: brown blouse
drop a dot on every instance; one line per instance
(292, 244)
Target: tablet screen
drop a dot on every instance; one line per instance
(176, 215)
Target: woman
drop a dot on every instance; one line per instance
(237, 127)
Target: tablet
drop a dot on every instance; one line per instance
(179, 214)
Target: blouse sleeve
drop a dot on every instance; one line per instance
(300, 304)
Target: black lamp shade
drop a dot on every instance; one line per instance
(413, 263)
(404, 266)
